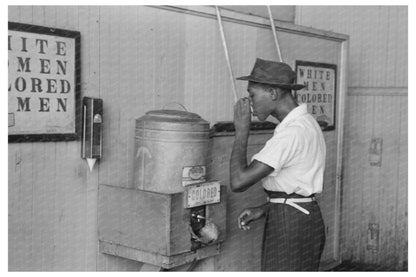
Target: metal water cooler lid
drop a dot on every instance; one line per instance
(173, 120)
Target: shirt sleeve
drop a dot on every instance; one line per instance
(280, 149)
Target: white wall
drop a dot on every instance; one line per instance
(377, 107)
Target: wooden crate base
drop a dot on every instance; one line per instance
(163, 261)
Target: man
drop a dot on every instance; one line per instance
(290, 168)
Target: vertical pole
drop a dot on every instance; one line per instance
(276, 42)
(224, 44)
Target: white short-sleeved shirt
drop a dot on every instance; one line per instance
(297, 153)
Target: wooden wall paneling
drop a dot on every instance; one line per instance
(38, 15)
(372, 184)
(168, 65)
(109, 65)
(392, 46)
(138, 83)
(61, 228)
(13, 13)
(402, 189)
(346, 220)
(356, 143)
(21, 219)
(355, 55)
(378, 45)
(207, 83)
(50, 16)
(127, 23)
(110, 74)
(43, 181)
(23, 230)
(68, 17)
(243, 62)
(367, 38)
(156, 62)
(63, 225)
(110, 92)
(401, 60)
(390, 126)
(26, 14)
(265, 47)
(358, 177)
(146, 53)
(69, 217)
(13, 205)
(170, 58)
(88, 18)
(242, 52)
(368, 173)
(221, 105)
(381, 68)
(20, 207)
(163, 32)
(378, 58)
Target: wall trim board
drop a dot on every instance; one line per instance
(255, 21)
(377, 91)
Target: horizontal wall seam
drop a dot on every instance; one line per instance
(377, 91)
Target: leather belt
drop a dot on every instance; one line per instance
(292, 202)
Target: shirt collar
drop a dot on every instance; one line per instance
(294, 114)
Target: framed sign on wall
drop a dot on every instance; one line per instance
(44, 83)
(320, 80)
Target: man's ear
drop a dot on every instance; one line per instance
(274, 94)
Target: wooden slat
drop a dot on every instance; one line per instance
(389, 180)
(26, 14)
(402, 190)
(355, 208)
(22, 222)
(38, 15)
(371, 184)
(89, 28)
(44, 184)
(15, 213)
(392, 45)
(13, 14)
(109, 91)
(401, 60)
(43, 208)
(129, 90)
(206, 76)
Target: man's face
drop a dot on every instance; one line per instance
(261, 101)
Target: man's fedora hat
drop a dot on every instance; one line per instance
(273, 73)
